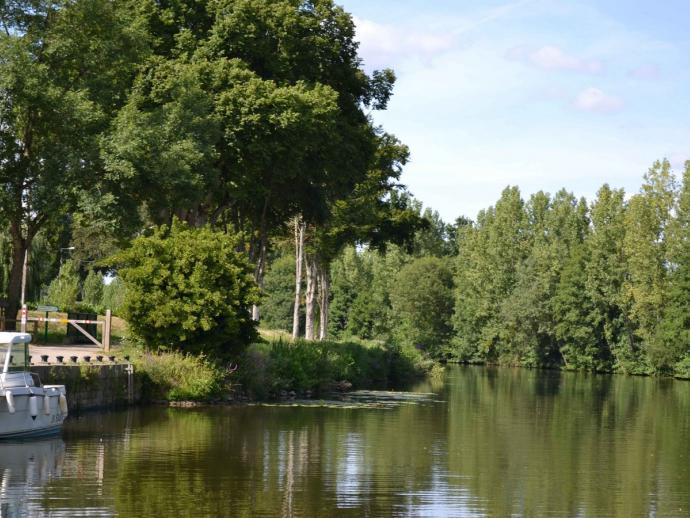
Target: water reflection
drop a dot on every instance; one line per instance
(492, 443)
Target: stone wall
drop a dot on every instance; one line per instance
(93, 386)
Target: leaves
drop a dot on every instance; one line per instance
(188, 289)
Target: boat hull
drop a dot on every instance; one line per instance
(33, 434)
(21, 424)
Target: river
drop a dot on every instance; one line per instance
(480, 442)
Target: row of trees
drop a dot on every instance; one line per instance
(549, 281)
(595, 286)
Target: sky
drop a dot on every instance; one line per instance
(542, 94)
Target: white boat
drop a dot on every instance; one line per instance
(27, 408)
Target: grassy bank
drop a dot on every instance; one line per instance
(271, 368)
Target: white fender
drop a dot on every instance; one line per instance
(33, 407)
(46, 404)
(10, 401)
(63, 404)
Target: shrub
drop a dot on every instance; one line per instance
(179, 377)
(269, 368)
(188, 289)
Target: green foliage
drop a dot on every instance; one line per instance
(487, 268)
(422, 301)
(188, 289)
(175, 376)
(554, 282)
(361, 285)
(92, 290)
(114, 296)
(279, 300)
(64, 290)
(64, 69)
(673, 333)
(269, 368)
(575, 328)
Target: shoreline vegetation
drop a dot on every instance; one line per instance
(278, 369)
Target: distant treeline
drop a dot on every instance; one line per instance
(552, 281)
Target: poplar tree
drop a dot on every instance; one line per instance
(645, 247)
(674, 329)
(606, 272)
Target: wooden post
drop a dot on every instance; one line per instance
(106, 330)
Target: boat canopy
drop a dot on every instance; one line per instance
(14, 358)
(14, 338)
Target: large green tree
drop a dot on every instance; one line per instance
(64, 71)
(673, 332)
(647, 222)
(487, 266)
(422, 301)
(254, 110)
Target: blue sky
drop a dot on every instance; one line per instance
(542, 94)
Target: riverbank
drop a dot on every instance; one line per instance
(271, 370)
(278, 369)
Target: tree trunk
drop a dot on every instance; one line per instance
(312, 279)
(300, 228)
(259, 274)
(260, 269)
(14, 287)
(324, 294)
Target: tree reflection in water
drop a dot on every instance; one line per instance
(493, 442)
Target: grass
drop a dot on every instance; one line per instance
(175, 376)
(269, 368)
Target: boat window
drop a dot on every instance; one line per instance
(19, 357)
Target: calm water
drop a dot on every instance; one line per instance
(486, 443)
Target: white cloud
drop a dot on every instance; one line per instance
(550, 57)
(383, 45)
(553, 58)
(387, 45)
(649, 72)
(594, 100)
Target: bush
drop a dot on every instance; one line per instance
(188, 289)
(682, 368)
(179, 377)
(269, 368)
